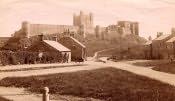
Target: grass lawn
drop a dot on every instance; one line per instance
(159, 65)
(108, 84)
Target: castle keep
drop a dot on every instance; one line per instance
(84, 22)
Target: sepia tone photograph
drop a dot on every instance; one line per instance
(87, 50)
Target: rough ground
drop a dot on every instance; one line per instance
(124, 65)
(18, 94)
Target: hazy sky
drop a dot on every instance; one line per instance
(153, 15)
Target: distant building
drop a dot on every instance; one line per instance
(171, 47)
(173, 31)
(129, 27)
(82, 24)
(122, 28)
(29, 30)
(159, 46)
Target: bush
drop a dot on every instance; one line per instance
(25, 57)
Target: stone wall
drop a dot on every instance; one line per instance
(36, 29)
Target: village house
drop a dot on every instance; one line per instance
(171, 47)
(159, 47)
(78, 50)
(51, 48)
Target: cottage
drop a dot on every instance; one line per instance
(78, 50)
(51, 50)
(159, 47)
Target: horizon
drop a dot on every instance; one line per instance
(153, 15)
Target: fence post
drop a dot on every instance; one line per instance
(46, 94)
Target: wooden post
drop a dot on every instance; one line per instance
(46, 94)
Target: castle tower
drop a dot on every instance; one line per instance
(74, 19)
(97, 31)
(135, 28)
(173, 31)
(84, 22)
(25, 29)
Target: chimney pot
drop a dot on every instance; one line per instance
(41, 37)
(55, 38)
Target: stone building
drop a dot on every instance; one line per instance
(122, 28)
(171, 47)
(29, 30)
(84, 22)
(129, 27)
(159, 47)
(51, 48)
(173, 31)
(78, 50)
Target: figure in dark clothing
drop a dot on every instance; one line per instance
(64, 57)
(67, 58)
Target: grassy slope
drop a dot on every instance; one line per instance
(159, 65)
(108, 84)
(93, 44)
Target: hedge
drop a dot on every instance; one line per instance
(25, 57)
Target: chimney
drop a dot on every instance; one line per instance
(55, 38)
(159, 34)
(41, 37)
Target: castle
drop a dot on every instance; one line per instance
(82, 25)
(121, 28)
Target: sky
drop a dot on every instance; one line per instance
(153, 15)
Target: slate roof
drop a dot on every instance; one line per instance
(148, 43)
(78, 42)
(162, 37)
(57, 46)
(171, 40)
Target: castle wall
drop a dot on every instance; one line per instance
(37, 29)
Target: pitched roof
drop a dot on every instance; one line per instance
(78, 42)
(56, 45)
(162, 37)
(148, 43)
(171, 40)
